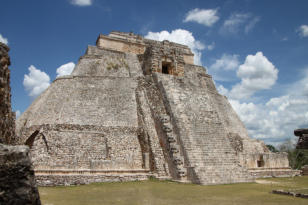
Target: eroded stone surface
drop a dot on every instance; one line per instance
(7, 117)
(17, 183)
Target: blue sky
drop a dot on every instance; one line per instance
(256, 50)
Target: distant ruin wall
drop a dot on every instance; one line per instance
(7, 120)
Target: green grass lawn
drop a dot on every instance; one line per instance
(169, 193)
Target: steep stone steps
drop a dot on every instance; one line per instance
(201, 132)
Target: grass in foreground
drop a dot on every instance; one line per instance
(169, 193)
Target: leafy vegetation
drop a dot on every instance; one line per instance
(272, 148)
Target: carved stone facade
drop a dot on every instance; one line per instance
(134, 108)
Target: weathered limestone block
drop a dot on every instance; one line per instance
(17, 182)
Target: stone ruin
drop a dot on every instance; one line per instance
(7, 120)
(302, 135)
(302, 145)
(135, 108)
(17, 182)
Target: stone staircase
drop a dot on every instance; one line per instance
(173, 147)
(208, 157)
(164, 128)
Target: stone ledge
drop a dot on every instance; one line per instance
(276, 172)
(89, 172)
(66, 180)
(274, 168)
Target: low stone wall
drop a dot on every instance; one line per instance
(266, 160)
(66, 180)
(273, 172)
(17, 182)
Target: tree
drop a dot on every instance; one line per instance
(272, 148)
(286, 146)
(297, 157)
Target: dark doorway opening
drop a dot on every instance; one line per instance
(165, 68)
(260, 162)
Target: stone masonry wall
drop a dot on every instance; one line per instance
(80, 148)
(7, 117)
(156, 55)
(99, 101)
(17, 183)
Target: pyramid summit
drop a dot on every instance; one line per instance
(135, 108)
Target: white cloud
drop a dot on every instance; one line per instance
(251, 24)
(82, 2)
(226, 62)
(65, 69)
(257, 73)
(17, 112)
(36, 81)
(211, 46)
(223, 69)
(206, 17)
(180, 36)
(274, 120)
(3, 40)
(300, 88)
(303, 30)
(238, 21)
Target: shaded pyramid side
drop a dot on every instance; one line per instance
(208, 155)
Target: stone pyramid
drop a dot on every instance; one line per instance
(135, 108)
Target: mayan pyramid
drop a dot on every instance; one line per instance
(135, 108)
